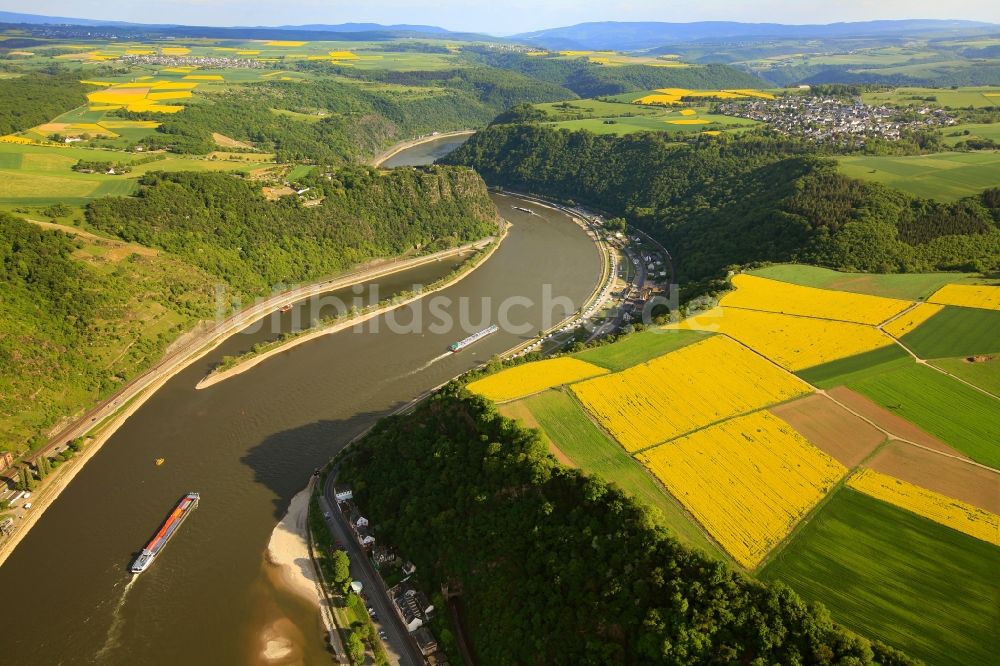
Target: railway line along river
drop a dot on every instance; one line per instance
(248, 445)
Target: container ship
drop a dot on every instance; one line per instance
(169, 528)
(462, 344)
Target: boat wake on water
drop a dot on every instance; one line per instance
(428, 364)
(115, 630)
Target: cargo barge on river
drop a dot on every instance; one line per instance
(169, 528)
(475, 337)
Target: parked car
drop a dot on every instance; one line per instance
(384, 636)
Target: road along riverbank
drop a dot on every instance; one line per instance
(487, 246)
(101, 422)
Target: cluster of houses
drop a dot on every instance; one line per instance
(834, 121)
(409, 602)
(207, 62)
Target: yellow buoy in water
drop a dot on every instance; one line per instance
(160, 461)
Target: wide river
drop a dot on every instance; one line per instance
(248, 445)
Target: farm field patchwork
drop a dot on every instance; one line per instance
(955, 331)
(837, 432)
(793, 342)
(970, 296)
(841, 371)
(906, 286)
(529, 378)
(686, 389)
(943, 176)
(959, 415)
(639, 348)
(757, 293)
(943, 510)
(899, 427)
(911, 319)
(748, 480)
(563, 420)
(947, 476)
(895, 576)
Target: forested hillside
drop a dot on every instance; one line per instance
(31, 99)
(79, 317)
(559, 568)
(719, 201)
(588, 79)
(340, 121)
(223, 225)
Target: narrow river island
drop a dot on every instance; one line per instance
(248, 445)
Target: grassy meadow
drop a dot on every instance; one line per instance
(43, 175)
(639, 348)
(893, 575)
(910, 286)
(943, 176)
(982, 373)
(956, 331)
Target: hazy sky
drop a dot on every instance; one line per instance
(504, 16)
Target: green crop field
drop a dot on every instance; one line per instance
(975, 131)
(944, 176)
(982, 373)
(665, 123)
(910, 286)
(842, 371)
(893, 575)
(594, 108)
(941, 405)
(568, 426)
(639, 348)
(956, 331)
(41, 175)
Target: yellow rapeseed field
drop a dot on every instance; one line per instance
(129, 124)
(902, 325)
(757, 293)
(968, 295)
(952, 513)
(687, 112)
(792, 342)
(175, 50)
(204, 77)
(688, 121)
(278, 42)
(674, 95)
(687, 389)
(529, 378)
(747, 480)
(343, 55)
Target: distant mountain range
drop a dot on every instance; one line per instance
(629, 36)
(610, 35)
(368, 29)
(314, 31)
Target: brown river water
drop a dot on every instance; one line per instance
(248, 445)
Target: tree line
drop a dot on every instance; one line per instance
(715, 202)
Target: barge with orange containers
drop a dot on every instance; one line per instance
(180, 513)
